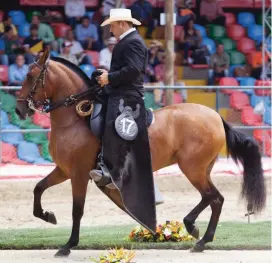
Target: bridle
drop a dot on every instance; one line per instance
(47, 105)
(34, 105)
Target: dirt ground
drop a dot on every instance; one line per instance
(142, 256)
(16, 201)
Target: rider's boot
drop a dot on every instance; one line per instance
(101, 174)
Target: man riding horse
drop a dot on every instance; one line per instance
(125, 160)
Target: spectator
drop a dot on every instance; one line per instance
(18, 71)
(8, 22)
(183, 11)
(211, 12)
(155, 57)
(190, 39)
(76, 49)
(219, 64)
(11, 44)
(33, 44)
(108, 5)
(54, 48)
(87, 34)
(66, 53)
(142, 11)
(74, 10)
(44, 31)
(106, 53)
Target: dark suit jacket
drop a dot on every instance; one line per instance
(128, 65)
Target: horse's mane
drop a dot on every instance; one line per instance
(88, 82)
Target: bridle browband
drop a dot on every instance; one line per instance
(47, 106)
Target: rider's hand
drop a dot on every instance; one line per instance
(103, 78)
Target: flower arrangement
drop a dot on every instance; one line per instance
(170, 231)
(116, 256)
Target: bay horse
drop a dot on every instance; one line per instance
(190, 135)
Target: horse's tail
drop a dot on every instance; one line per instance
(245, 149)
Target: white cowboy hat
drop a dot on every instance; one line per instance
(120, 14)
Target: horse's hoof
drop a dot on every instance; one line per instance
(62, 253)
(197, 248)
(51, 218)
(195, 232)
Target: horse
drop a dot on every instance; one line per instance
(187, 134)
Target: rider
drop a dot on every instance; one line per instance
(125, 160)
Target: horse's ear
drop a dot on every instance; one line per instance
(44, 58)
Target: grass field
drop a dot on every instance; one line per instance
(229, 236)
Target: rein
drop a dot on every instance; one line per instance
(48, 106)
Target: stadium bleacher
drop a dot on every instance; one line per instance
(241, 38)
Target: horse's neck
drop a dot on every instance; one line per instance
(66, 83)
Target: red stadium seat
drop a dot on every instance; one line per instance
(248, 117)
(246, 45)
(41, 120)
(236, 31)
(227, 81)
(8, 152)
(267, 145)
(230, 19)
(263, 92)
(60, 29)
(177, 32)
(261, 135)
(94, 57)
(3, 73)
(239, 100)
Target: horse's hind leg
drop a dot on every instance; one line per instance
(210, 196)
(55, 177)
(189, 220)
(216, 203)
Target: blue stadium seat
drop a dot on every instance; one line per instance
(28, 152)
(246, 19)
(232, 68)
(247, 81)
(4, 119)
(209, 43)
(88, 69)
(254, 100)
(41, 161)
(13, 138)
(255, 32)
(17, 17)
(2, 44)
(24, 30)
(267, 115)
(201, 29)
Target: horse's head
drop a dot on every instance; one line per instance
(34, 92)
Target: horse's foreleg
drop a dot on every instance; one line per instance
(55, 177)
(79, 188)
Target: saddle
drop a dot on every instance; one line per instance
(97, 119)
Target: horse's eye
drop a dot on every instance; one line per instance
(29, 77)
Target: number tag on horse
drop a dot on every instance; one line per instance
(125, 126)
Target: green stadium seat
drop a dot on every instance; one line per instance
(149, 101)
(228, 43)
(35, 137)
(8, 102)
(45, 152)
(237, 58)
(15, 120)
(216, 32)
